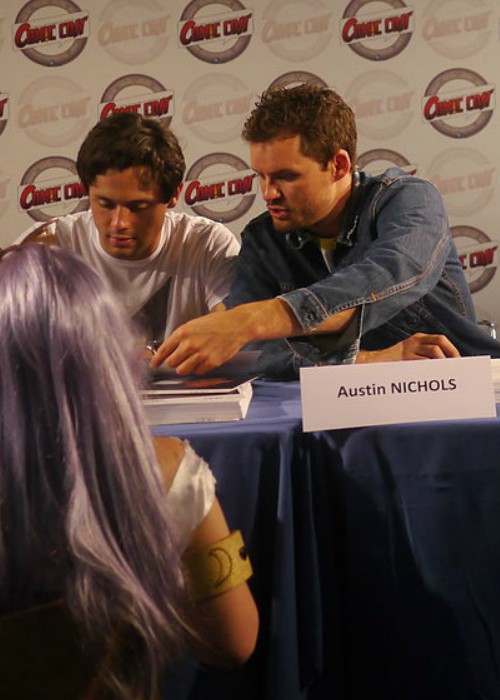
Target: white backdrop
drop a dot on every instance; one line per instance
(420, 76)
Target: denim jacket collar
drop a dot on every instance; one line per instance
(350, 216)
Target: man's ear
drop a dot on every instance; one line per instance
(340, 165)
(175, 197)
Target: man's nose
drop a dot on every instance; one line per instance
(120, 218)
(269, 190)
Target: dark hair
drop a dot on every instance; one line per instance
(125, 140)
(324, 122)
(83, 507)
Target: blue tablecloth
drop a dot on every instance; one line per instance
(376, 555)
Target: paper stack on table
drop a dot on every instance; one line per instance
(495, 371)
(221, 395)
(196, 400)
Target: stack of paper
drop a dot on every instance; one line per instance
(196, 400)
(495, 371)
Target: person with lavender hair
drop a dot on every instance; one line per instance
(104, 536)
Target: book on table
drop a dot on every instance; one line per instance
(169, 398)
(196, 400)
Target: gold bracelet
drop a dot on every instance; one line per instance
(218, 567)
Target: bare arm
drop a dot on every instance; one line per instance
(200, 345)
(229, 621)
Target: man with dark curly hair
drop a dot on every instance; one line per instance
(342, 267)
(166, 267)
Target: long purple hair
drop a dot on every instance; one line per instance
(82, 504)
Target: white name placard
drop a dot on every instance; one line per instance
(348, 396)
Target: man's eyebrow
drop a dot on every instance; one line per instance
(127, 202)
(277, 173)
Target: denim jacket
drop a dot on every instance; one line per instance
(394, 260)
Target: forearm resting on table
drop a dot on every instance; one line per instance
(420, 346)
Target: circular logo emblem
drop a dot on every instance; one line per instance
(377, 160)
(53, 111)
(458, 30)
(220, 186)
(215, 38)
(377, 35)
(63, 38)
(465, 178)
(458, 103)
(134, 31)
(297, 31)
(382, 102)
(126, 94)
(51, 187)
(214, 106)
(478, 255)
(297, 77)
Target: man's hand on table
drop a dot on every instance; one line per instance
(421, 346)
(205, 343)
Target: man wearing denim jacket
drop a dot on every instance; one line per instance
(343, 267)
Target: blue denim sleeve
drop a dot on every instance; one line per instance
(403, 262)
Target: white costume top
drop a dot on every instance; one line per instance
(191, 495)
(188, 273)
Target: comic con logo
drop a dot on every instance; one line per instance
(53, 111)
(477, 254)
(297, 77)
(47, 39)
(458, 30)
(128, 94)
(377, 35)
(4, 111)
(220, 186)
(297, 31)
(458, 103)
(377, 160)
(465, 177)
(51, 187)
(382, 101)
(215, 105)
(133, 31)
(214, 36)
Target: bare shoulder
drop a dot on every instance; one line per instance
(169, 452)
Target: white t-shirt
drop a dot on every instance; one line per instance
(190, 496)
(188, 273)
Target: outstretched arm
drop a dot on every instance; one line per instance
(207, 342)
